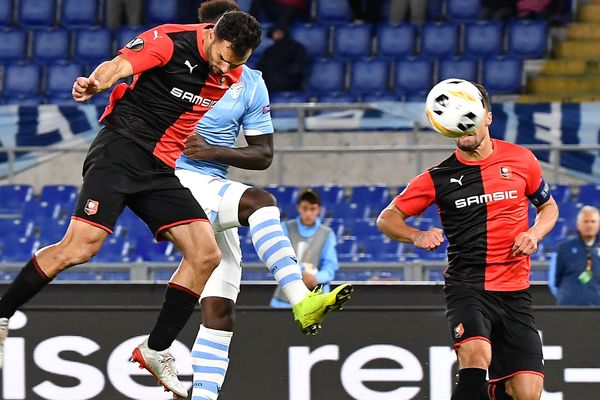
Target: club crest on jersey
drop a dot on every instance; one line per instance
(505, 172)
(267, 109)
(135, 44)
(91, 207)
(235, 90)
(222, 81)
(459, 330)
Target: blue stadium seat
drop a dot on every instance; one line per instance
(369, 75)
(435, 9)
(374, 97)
(153, 251)
(248, 252)
(60, 77)
(348, 211)
(527, 38)
(361, 228)
(561, 193)
(22, 79)
(326, 75)
(314, 37)
(75, 13)
(336, 225)
(101, 99)
(396, 40)
(502, 75)
(462, 9)
(18, 249)
(352, 41)
(50, 45)
(285, 195)
(127, 33)
(93, 44)
(6, 12)
(244, 5)
(16, 226)
(52, 232)
(413, 76)
(59, 194)
(162, 11)
(346, 249)
(589, 195)
(374, 195)
(483, 38)
(464, 68)
(287, 97)
(62, 99)
(336, 97)
(13, 44)
(23, 100)
(330, 195)
(36, 12)
(334, 11)
(380, 249)
(40, 213)
(439, 39)
(265, 42)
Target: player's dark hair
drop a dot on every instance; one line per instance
(311, 196)
(211, 10)
(484, 94)
(242, 30)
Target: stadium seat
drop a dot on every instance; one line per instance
(52, 231)
(439, 39)
(162, 11)
(60, 77)
(326, 75)
(265, 42)
(502, 75)
(333, 11)
(413, 76)
(336, 97)
(50, 45)
(40, 212)
(361, 228)
(435, 10)
(244, 5)
(6, 12)
(13, 44)
(348, 211)
(527, 38)
(153, 251)
(248, 252)
(287, 97)
(93, 44)
(113, 250)
(127, 33)
(101, 99)
(18, 249)
(22, 79)
(79, 13)
(37, 12)
(58, 194)
(285, 195)
(373, 97)
(380, 249)
(314, 38)
(369, 75)
(589, 195)
(462, 9)
(16, 226)
(352, 41)
(61, 99)
(377, 196)
(561, 193)
(23, 100)
(483, 38)
(464, 68)
(330, 195)
(396, 40)
(346, 249)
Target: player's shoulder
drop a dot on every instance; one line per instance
(174, 28)
(251, 76)
(512, 149)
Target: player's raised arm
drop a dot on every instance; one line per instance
(103, 78)
(392, 223)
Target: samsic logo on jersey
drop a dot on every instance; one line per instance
(193, 98)
(485, 198)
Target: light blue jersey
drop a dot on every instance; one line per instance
(246, 104)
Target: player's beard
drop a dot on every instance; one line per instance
(469, 145)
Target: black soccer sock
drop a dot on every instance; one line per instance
(176, 311)
(495, 391)
(27, 284)
(470, 383)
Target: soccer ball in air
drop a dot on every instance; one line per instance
(454, 107)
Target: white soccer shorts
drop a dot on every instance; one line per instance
(220, 199)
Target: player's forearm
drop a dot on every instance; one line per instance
(249, 157)
(545, 220)
(393, 225)
(109, 72)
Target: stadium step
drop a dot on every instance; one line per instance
(583, 31)
(590, 12)
(560, 98)
(578, 49)
(565, 85)
(564, 67)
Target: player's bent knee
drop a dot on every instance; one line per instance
(475, 354)
(218, 313)
(522, 388)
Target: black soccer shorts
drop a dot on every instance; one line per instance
(505, 320)
(117, 172)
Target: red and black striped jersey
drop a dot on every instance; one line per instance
(483, 206)
(171, 90)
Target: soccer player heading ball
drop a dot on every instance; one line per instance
(482, 193)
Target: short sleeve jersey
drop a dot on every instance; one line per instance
(483, 206)
(245, 104)
(172, 89)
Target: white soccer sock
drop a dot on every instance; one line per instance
(210, 359)
(276, 251)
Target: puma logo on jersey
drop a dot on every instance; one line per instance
(156, 35)
(485, 198)
(459, 180)
(193, 98)
(189, 65)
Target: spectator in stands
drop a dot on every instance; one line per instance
(314, 244)
(284, 63)
(542, 9)
(399, 10)
(132, 10)
(283, 13)
(366, 11)
(211, 10)
(498, 10)
(575, 268)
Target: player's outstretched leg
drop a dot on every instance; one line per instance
(210, 360)
(275, 250)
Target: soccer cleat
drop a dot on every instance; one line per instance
(162, 366)
(3, 336)
(311, 311)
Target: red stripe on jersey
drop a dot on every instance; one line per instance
(117, 93)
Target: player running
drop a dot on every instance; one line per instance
(482, 192)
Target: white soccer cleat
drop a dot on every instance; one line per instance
(162, 365)
(3, 336)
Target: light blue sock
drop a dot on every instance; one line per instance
(210, 359)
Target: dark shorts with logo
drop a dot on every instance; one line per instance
(504, 319)
(117, 172)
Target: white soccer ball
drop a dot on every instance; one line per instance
(455, 107)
